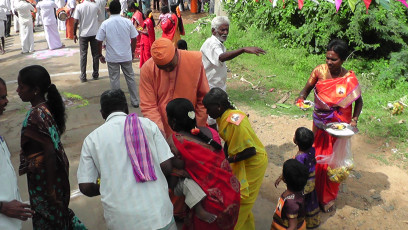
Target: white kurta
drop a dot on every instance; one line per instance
(47, 9)
(8, 186)
(130, 205)
(25, 20)
(215, 70)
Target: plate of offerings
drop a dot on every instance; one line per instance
(340, 129)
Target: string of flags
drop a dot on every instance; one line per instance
(351, 3)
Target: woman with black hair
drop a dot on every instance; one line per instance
(336, 89)
(244, 150)
(148, 36)
(198, 151)
(42, 156)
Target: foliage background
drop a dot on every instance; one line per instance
(375, 33)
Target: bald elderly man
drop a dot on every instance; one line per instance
(171, 73)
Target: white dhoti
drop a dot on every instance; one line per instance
(2, 29)
(16, 24)
(27, 37)
(61, 25)
(52, 36)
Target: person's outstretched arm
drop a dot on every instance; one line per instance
(232, 54)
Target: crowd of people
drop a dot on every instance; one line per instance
(193, 156)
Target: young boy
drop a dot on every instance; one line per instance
(290, 210)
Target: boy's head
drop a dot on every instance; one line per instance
(295, 175)
(182, 45)
(165, 10)
(114, 7)
(304, 138)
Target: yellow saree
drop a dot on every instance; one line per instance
(235, 129)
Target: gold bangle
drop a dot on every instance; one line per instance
(354, 119)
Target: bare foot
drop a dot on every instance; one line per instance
(204, 215)
(2, 51)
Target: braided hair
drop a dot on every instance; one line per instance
(181, 117)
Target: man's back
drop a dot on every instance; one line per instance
(46, 9)
(87, 14)
(127, 204)
(24, 12)
(117, 32)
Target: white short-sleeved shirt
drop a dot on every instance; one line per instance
(87, 14)
(8, 186)
(215, 70)
(24, 9)
(126, 204)
(46, 9)
(117, 31)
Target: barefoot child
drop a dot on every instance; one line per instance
(290, 210)
(306, 155)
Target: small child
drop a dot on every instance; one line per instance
(290, 210)
(164, 16)
(304, 139)
(3, 19)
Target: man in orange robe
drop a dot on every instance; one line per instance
(169, 74)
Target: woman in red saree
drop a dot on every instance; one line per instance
(137, 20)
(205, 163)
(335, 91)
(148, 37)
(169, 27)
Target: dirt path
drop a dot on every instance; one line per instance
(374, 197)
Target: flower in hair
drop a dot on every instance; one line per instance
(191, 115)
(195, 131)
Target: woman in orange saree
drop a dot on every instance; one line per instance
(335, 91)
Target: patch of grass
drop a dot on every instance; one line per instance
(291, 67)
(81, 102)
